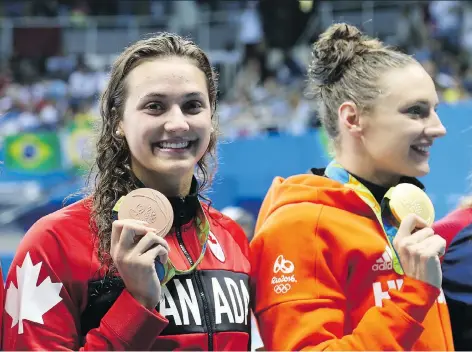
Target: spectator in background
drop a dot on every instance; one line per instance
(248, 78)
(83, 115)
(466, 35)
(298, 119)
(28, 120)
(45, 8)
(411, 31)
(456, 228)
(184, 18)
(446, 16)
(82, 83)
(251, 34)
(290, 70)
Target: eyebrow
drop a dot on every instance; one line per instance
(420, 101)
(165, 96)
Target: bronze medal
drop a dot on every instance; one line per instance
(148, 205)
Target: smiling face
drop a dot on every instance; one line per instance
(167, 118)
(403, 124)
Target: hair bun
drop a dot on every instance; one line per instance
(335, 50)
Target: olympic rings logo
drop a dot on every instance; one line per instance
(282, 288)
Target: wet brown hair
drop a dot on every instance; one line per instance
(112, 168)
(346, 65)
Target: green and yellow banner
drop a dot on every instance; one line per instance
(33, 152)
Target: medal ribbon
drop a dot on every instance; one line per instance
(167, 271)
(337, 173)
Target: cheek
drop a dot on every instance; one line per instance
(379, 137)
(136, 138)
(204, 143)
(203, 127)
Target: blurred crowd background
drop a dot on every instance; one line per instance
(55, 55)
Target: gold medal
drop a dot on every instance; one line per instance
(407, 198)
(148, 205)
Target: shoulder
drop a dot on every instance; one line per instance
(456, 228)
(317, 228)
(230, 228)
(453, 224)
(71, 220)
(286, 228)
(293, 217)
(61, 240)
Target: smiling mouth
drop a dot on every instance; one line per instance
(421, 149)
(183, 145)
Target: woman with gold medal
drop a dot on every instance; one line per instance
(345, 258)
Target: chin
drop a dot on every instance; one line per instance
(175, 168)
(419, 171)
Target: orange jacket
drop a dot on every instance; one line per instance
(323, 279)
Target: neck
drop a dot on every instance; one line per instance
(168, 185)
(365, 168)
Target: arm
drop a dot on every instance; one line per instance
(45, 294)
(2, 302)
(312, 313)
(457, 278)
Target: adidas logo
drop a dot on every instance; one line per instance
(384, 263)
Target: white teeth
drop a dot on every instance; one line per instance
(421, 148)
(179, 145)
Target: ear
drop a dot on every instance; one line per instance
(119, 128)
(349, 116)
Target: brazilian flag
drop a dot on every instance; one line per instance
(77, 141)
(33, 152)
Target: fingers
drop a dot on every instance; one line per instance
(409, 224)
(157, 252)
(433, 246)
(414, 238)
(430, 247)
(125, 231)
(148, 241)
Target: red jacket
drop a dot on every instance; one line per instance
(456, 228)
(2, 288)
(57, 298)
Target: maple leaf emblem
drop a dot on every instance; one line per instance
(28, 301)
(215, 247)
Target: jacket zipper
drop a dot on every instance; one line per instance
(206, 307)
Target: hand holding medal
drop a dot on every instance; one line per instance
(418, 247)
(138, 248)
(407, 198)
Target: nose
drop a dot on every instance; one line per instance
(435, 128)
(176, 121)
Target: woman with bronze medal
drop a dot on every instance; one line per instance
(350, 249)
(143, 263)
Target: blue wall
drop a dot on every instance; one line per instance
(247, 167)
